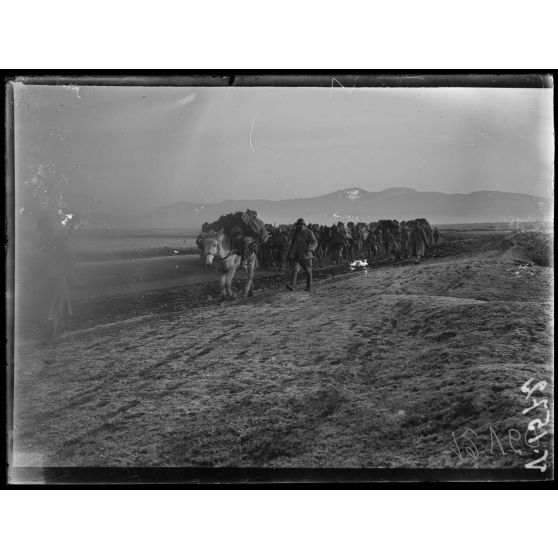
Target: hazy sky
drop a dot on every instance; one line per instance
(135, 148)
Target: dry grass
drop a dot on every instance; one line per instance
(377, 370)
(537, 245)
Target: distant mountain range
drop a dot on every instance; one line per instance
(356, 204)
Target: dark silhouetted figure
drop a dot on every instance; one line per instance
(301, 252)
(59, 274)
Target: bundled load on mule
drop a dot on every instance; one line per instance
(244, 229)
(338, 245)
(232, 241)
(388, 225)
(419, 237)
(372, 241)
(255, 227)
(389, 238)
(425, 226)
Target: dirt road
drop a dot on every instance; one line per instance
(124, 277)
(394, 368)
(113, 290)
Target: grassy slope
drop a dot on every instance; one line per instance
(373, 371)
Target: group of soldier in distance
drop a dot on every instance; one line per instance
(241, 240)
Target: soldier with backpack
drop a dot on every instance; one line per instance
(301, 252)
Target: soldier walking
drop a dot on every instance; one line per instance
(300, 254)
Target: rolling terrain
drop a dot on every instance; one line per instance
(354, 204)
(414, 366)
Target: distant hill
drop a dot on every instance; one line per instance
(356, 204)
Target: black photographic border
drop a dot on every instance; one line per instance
(159, 477)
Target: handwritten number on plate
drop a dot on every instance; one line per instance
(525, 387)
(535, 464)
(536, 404)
